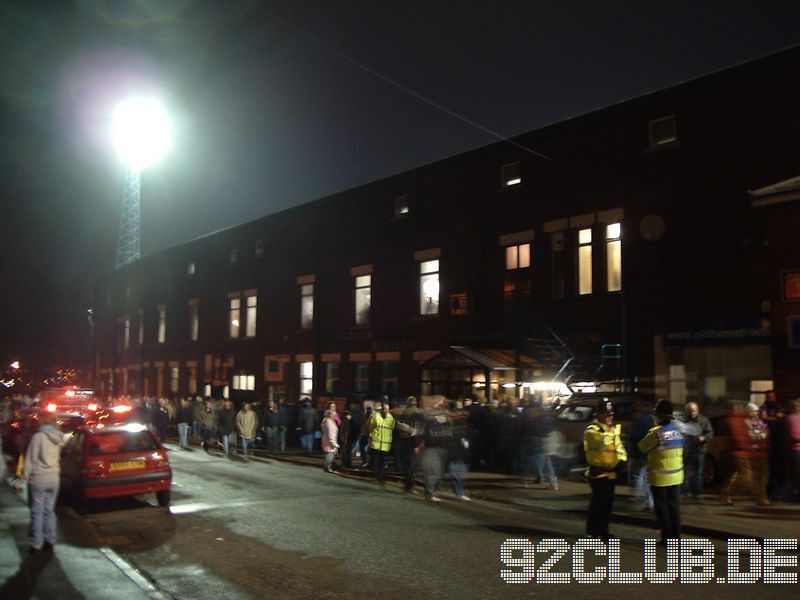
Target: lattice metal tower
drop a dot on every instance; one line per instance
(128, 246)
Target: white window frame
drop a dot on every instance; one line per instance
(174, 379)
(162, 323)
(360, 382)
(234, 316)
(306, 305)
(331, 375)
(401, 207)
(614, 257)
(518, 256)
(429, 287)
(306, 378)
(362, 299)
(510, 174)
(194, 319)
(656, 142)
(251, 308)
(585, 283)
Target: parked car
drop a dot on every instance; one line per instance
(581, 409)
(114, 461)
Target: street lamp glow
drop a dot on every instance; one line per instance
(141, 132)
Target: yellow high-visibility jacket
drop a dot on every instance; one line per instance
(604, 450)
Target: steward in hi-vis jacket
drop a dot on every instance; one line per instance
(663, 446)
(604, 450)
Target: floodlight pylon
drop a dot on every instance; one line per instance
(128, 245)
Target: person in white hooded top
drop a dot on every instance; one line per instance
(42, 471)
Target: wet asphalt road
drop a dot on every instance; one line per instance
(258, 529)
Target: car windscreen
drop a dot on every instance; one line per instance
(576, 413)
(119, 442)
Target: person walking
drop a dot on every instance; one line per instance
(208, 425)
(697, 432)
(246, 427)
(750, 455)
(437, 441)
(41, 472)
(602, 444)
(381, 429)
(306, 426)
(184, 419)
(269, 426)
(330, 442)
(226, 426)
(663, 446)
(643, 422)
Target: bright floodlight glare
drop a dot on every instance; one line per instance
(141, 132)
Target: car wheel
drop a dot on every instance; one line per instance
(163, 497)
(710, 471)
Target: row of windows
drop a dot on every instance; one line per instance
(243, 306)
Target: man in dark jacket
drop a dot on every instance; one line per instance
(226, 426)
(306, 426)
(184, 420)
(697, 431)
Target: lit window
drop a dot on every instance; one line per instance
(663, 131)
(127, 332)
(510, 174)
(234, 314)
(584, 261)
(250, 330)
(244, 382)
(361, 379)
(363, 299)
(307, 305)
(194, 319)
(162, 324)
(614, 257)
(429, 287)
(190, 269)
(331, 375)
(258, 248)
(306, 378)
(401, 206)
(141, 327)
(518, 257)
(174, 380)
(192, 380)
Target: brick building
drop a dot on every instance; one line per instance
(651, 244)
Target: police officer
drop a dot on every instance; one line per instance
(604, 450)
(663, 446)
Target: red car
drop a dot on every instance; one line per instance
(115, 461)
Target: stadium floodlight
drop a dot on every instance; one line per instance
(141, 134)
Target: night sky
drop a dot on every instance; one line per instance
(278, 103)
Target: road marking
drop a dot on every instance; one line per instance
(133, 574)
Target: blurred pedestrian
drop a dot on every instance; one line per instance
(208, 425)
(283, 425)
(602, 444)
(226, 427)
(437, 440)
(306, 426)
(269, 426)
(346, 439)
(381, 430)
(793, 441)
(458, 453)
(330, 439)
(697, 432)
(750, 455)
(643, 422)
(246, 427)
(663, 446)
(42, 471)
(184, 418)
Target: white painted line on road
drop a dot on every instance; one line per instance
(133, 574)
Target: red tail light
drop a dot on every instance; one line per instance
(94, 468)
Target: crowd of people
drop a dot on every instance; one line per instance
(664, 452)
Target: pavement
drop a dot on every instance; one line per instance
(89, 572)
